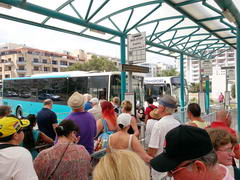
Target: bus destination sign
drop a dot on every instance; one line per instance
(134, 68)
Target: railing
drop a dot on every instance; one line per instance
(142, 132)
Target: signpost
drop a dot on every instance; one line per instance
(136, 54)
(137, 48)
(206, 67)
(230, 73)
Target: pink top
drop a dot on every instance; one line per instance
(75, 163)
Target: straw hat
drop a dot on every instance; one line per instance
(155, 114)
(76, 100)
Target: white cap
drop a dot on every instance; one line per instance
(94, 100)
(124, 119)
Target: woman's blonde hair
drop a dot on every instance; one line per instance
(127, 105)
(121, 165)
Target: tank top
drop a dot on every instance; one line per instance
(200, 124)
(129, 144)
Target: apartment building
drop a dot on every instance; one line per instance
(156, 68)
(222, 58)
(22, 61)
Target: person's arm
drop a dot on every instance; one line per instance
(146, 118)
(154, 143)
(45, 138)
(54, 121)
(138, 148)
(146, 114)
(134, 126)
(152, 152)
(99, 126)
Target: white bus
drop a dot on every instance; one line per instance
(25, 94)
(156, 87)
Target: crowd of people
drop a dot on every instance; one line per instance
(100, 140)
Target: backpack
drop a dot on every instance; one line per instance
(102, 140)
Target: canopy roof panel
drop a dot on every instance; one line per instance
(195, 28)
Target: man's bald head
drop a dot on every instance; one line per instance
(224, 116)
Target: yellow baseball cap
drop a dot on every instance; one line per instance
(11, 125)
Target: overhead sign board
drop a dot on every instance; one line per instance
(136, 48)
(134, 68)
(206, 67)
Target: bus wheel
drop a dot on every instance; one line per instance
(19, 112)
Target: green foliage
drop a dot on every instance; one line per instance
(95, 64)
(170, 72)
(233, 93)
(195, 87)
(193, 100)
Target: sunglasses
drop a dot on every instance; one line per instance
(177, 170)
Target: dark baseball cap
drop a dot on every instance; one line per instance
(182, 143)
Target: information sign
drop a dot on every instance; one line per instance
(137, 48)
(206, 67)
(134, 68)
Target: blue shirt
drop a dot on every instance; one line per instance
(87, 106)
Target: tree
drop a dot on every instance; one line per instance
(169, 72)
(195, 87)
(95, 64)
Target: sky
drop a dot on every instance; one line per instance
(13, 32)
(40, 38)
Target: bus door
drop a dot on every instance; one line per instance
(98, 86)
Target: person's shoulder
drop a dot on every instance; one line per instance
(168, 120)
(17, 151)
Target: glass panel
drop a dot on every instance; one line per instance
(98, 86)
(79, 84)
(115, 86)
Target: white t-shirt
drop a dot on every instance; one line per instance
(16, 164)
(96, 111)
(148, 132)
(159, 131)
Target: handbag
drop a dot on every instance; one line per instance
(102, 140)
(54, 170)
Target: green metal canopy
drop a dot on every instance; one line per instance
(196, 28)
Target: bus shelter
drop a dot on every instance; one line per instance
(175, 28)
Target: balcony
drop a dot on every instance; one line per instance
(21, 62)
(64, 65)
(36, 63)
(21, 70)
(10, 63)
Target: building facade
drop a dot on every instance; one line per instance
(225, 58)
(25, 61)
